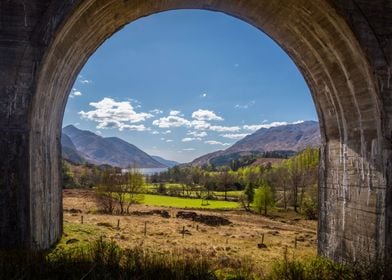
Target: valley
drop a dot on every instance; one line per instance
(242, 209)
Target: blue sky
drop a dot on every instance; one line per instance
(183, 83)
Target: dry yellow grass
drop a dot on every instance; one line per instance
(238, 240)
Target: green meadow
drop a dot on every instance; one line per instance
(179, 202)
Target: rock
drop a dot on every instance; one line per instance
(204, 219)
(162, 213)
(72, 241)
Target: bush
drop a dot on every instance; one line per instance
(103, 260)
(310, 208)
(106, 260)
(314, 269)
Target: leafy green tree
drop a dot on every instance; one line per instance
(302, 174)
(249, 194)
(68, 179)
(162, 188)
(263, 199)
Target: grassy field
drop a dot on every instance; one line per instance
(236, 241)
(233, 194)
(151, 188)
(177, 202)
(144, 245)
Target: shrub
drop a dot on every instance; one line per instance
(310, 208)
(314, 269)
(103, 260)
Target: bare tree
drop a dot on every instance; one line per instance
(105, 192)
(134, 187)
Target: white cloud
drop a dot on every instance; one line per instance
(109, 113)
(219, 128)
(156, 111)
(269, 125)
(121, 126)
(200, 125)
(74, 93)
(189, 149)
(253, 127)
(171, 121)
(212, 142)
(203, 125)
(175, 113)
(197, 133)
(235, 136)
(206, 115)
(189, 139)
(169, 140)
(245, 106)
(85, 81)
(129, 127)
(154, 132)
(109, 124)
(167, 132)
(204, 95)
(135, 101)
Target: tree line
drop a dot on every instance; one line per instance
(292, 183)
(289, 184)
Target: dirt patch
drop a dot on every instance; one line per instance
(204, 219)
(162, 213)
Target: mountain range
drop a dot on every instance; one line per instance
(286, 139)
(81, 146)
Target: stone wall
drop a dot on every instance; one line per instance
(342, 47)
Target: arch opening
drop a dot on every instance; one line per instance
(90, 82)
(352, 182)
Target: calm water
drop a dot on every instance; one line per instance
(149, 171)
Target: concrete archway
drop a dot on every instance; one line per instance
(346, 70)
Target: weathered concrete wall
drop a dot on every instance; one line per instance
(17, 77)
(371, 22)
(343, 48)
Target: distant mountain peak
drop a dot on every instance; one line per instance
(290, 137)
(107, 150)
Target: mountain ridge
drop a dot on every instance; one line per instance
(107, 150)
(290, 137)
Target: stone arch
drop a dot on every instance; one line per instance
(321, 43)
